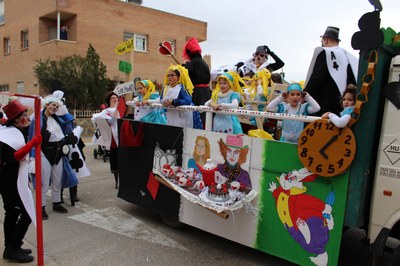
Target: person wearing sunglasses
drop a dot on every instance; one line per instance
(260, 60)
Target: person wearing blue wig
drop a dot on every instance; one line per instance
(295, 102)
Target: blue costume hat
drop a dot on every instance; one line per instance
(294, 86)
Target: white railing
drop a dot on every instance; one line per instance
(239, 112)
(83, 113)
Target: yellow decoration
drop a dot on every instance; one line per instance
(259, 133)
(124, 47)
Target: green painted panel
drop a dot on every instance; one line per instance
(273, 236)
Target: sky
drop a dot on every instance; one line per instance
(290, 28)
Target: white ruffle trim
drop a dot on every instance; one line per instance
(236, 199)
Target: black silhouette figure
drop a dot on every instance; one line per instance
(75, 161)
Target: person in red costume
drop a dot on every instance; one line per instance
(199, 73)
(14, 180)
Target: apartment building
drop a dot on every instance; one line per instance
(33, 30)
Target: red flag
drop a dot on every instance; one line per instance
(121, 107)
(130, 138)
(152, 185)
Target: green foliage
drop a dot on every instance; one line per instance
(83, 79)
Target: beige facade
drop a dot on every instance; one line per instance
(103, 23)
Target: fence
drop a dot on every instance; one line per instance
(83, 113)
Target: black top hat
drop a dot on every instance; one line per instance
(331, 32)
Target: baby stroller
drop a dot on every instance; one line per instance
(102, 150)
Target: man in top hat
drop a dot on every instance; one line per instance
(260, 61)
(332, 68)
(17, 197)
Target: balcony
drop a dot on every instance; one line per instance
(60, 26)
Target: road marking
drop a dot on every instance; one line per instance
(117, 221)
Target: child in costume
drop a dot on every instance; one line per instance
(290, 102)
(177, 91)
(226, 95)
(260, 90)
(259, 87)
(147, 95)
(348, 101)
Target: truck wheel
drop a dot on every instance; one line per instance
(171, 221)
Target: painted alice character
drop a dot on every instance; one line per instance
(201, 153)
(307, 219)
(348, 101)
(234, 154)
(147, 95)
(177, 91)
(226, 95)
(290, 102)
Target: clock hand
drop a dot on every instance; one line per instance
(329, 143)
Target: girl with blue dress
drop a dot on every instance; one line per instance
(226, 95)
(294, 102)
(348, 101)
(177, 91)
(147, 95)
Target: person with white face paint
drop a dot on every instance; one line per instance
(52, 153)
(14, 190)
(234, 154)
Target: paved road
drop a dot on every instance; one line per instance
(105, 230)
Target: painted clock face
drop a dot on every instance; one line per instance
(325, 149)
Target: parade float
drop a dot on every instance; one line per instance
(267, 194)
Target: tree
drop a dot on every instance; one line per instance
(95, 76)
(83, 79)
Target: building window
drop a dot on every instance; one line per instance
(1, 11)
(24, 39)
(20, 87)
(4, 88)
(3, 97)
(140, 41)
(6, 45)
(128, 35)
(173, 45)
